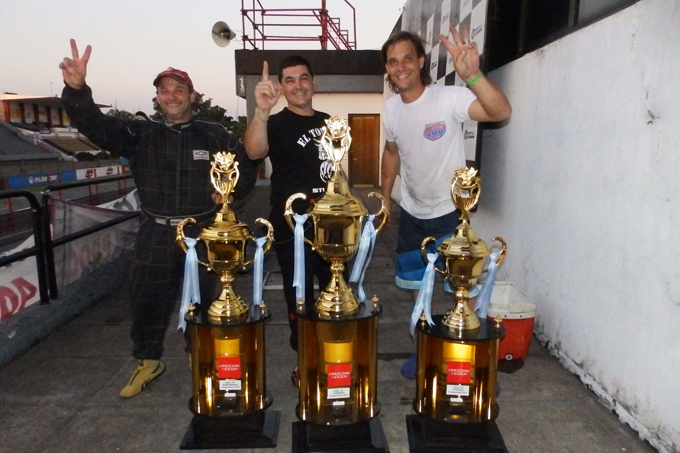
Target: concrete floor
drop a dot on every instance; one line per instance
(62, 395)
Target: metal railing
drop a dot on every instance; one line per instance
(38, 249)
(44, 245)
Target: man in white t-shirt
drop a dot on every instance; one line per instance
(424, 142)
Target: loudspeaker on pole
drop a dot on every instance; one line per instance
(222, 34)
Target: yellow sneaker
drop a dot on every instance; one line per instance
(147, 371)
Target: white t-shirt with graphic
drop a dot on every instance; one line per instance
(428, 133)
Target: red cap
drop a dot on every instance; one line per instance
(176, 74)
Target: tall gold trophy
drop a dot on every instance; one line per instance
(458, 355)
(227, 336)
(337, 337)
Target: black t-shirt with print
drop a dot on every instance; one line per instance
(298, 163)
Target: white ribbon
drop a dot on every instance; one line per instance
(258, 270)
(299, 244)
(424, 300)
(482, 304)
(191, 291)
(366, 244)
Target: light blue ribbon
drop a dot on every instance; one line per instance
(424, 300)
(191, 291)
(258, 270)
(299, 244)
(366, 244)
(482, 304)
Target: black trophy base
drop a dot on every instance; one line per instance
(367, 436)
(431, 436)
(257, 430)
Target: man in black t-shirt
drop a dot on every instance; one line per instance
(290, 140)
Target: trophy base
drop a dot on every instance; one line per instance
(367, 436)
(257, 430)
(431, 436)
(465, 398)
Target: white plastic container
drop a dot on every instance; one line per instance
(518, 313)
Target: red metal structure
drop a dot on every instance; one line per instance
(269, 24)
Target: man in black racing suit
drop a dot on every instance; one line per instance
(170, 163)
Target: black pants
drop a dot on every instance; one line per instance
(156, 285)
(315, 266)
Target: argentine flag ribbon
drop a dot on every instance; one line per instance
(258, 270)
(299, 249)
(366, 244)
(482, 304)
(191, 291)
(424, 300)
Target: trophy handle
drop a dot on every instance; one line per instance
(383, 211)
(289, 213)
(180, 236)
(504, 248)
(423, 251)
(269, 236)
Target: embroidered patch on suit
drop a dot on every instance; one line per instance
(200, 154)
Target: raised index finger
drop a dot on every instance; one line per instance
(265, 71)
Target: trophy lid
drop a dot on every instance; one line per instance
(226, 227)
(339, 200)
(464, 244)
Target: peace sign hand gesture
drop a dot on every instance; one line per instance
(464, 52)
(74, 69)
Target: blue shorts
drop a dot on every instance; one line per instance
(410, 267)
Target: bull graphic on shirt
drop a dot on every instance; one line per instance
(326, 167)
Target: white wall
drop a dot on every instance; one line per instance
(583, 184)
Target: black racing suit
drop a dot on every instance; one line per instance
(170, 164)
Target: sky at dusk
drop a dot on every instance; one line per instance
(132, 41)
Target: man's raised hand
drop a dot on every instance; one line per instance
(74, 69)
(267, 92)
(465, 53)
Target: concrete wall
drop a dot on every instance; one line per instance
(583, 185)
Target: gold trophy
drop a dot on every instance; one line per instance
(458, 354)
(463, 253)
(337, 358)
(338, 217)
(226, 239)
(227, 340)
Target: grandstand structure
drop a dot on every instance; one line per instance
(36, 136)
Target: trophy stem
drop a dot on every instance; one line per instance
(461, 318)
(337, 299)
(229, 304)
